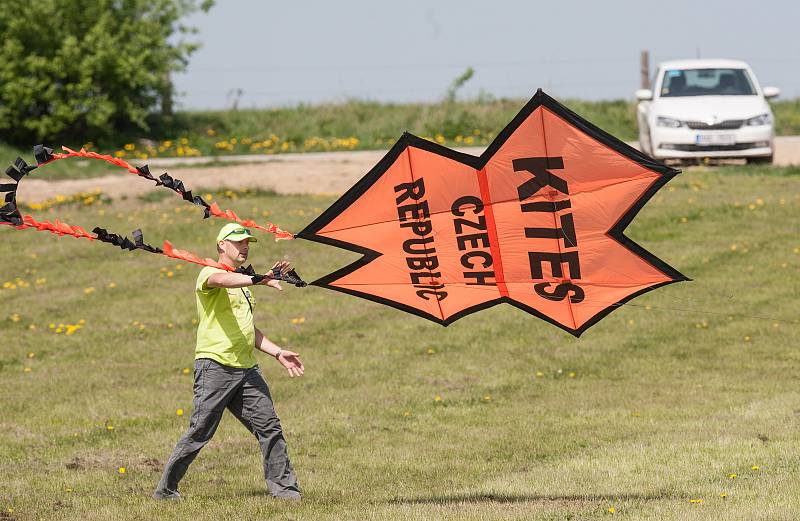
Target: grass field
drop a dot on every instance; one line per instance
(354, 125)
(680, 405)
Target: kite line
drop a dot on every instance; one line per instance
(11, 216)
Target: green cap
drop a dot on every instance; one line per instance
(235, 232)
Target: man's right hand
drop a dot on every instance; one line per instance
(283, 267)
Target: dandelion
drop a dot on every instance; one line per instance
(487, 398)
(185, 370)
(732, 475)
(179, 412)
(27, 370)
(723, 495)
(88, 290)
(747, 339)
(755, 467)
(431, 351)
(122, 470)
(59, 330)
(170, 274)
(71, 328)
(733, 247)
(407, 414)
(109, 427)
(14, 317)
(696, 501)
(31, 355)
(298, 320)
(67, 489)
(169, 325)
(572, 374)
(40, 281)
(437, 398)
(611, 510)
(112, 285)
(539, 374)
(81, 321)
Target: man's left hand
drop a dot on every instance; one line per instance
(291, 361)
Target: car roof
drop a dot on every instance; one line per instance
(703, 64)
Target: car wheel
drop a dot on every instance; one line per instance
(763, 160)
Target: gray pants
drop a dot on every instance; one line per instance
(245, 393)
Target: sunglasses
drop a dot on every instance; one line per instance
(240, 230)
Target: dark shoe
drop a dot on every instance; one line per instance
(167, 494)
(289, 496)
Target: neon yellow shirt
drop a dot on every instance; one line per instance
(225, 331)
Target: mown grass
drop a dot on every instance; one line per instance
(354, 125)
(683, 395)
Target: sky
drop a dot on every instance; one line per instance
(273, 54)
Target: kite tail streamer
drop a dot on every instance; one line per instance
(11, 216)
(45, 155)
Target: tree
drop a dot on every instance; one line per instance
(77, 69)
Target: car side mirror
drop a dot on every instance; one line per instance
(647, 94)
(771, 92)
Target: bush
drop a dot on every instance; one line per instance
(79, 68)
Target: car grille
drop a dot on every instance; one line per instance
(728, 124)
(710, 148)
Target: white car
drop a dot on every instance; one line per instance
(706, 109)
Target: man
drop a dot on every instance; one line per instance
(226, 373)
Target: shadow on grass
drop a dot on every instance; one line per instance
(523, 498)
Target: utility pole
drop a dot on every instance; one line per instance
(644, 69)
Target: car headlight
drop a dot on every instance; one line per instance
(663, 121)
(763, 119)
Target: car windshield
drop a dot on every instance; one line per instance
(706, 82)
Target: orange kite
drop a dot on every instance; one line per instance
(536, 221)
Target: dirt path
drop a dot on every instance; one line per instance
(318, 173)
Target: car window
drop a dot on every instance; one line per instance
(706, 82)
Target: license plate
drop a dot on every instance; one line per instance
(715, 139)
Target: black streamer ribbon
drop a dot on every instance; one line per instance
(125, 243)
